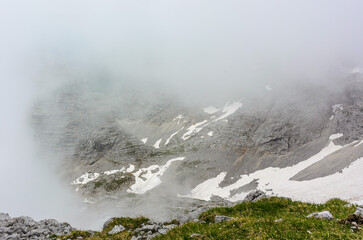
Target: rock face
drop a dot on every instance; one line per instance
(322, 215)
(27, 228)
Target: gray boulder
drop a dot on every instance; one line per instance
(153, 227)
(254, 196)
(321, 215)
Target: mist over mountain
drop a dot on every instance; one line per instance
(128, 108)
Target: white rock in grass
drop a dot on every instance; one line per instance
(322, 215)
(359, 212)
(117, 229)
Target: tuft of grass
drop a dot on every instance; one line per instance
(77, 234)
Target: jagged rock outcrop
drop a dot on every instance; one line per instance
(27, 228)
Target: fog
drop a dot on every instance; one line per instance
(198, 51)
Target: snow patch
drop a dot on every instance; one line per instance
(205, 190)
(211, 110)
(148, 178)
(194, 129)
(210, 133)
(172, 135)
(157, 144)
(144, 140)
(91, 176)
(229, 109)
(110, 172)
(85, 178)
(335, 136)
(331, 117)
(131, 168)
(179, 117)
(268, 88)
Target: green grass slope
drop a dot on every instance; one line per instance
(252, 220)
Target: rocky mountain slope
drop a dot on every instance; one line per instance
(145, 148)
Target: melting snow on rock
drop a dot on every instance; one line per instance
(148, 178)
(194, 129)
(179, 117)
(91, 176)
(157, 144)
